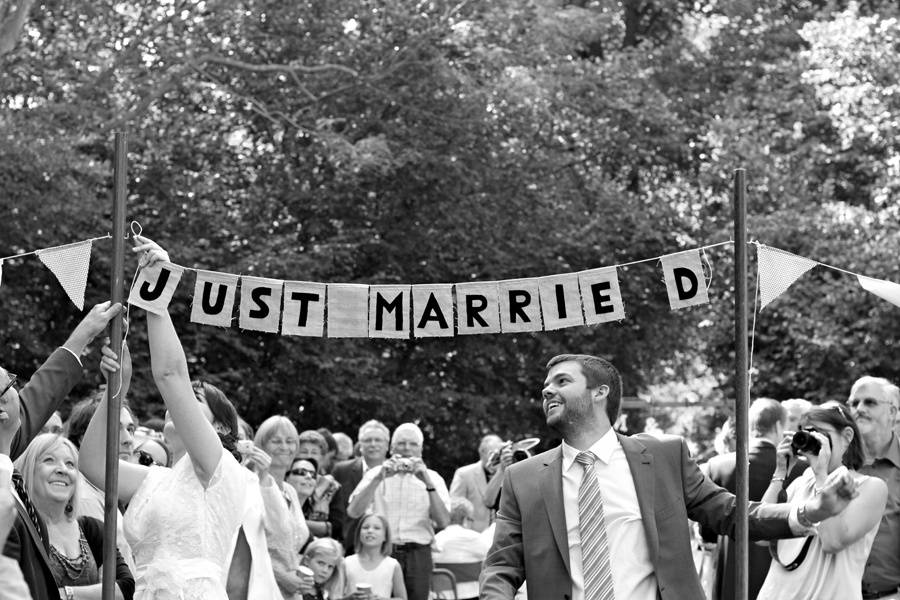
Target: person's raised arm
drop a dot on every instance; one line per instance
(53, 381)
(364, 493)
(438, 497)
(861, 515)
(784, 461)
(92, 453)
(170, 372)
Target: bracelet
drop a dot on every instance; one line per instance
(778, 479)
(430, 489)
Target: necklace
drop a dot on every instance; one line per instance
(72, 567)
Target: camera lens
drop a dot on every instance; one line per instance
(144, 458)
(803, 441)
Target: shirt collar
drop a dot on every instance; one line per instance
(603, 449)
(893, 453)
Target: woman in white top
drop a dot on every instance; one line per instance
(837, 553)
(286, 530)
(181, 522)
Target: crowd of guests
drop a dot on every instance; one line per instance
(211, 509)
(853, 555)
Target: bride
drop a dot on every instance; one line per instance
(181, 522)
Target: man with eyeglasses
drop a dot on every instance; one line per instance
(374, 437)
(22, 415)
(874, 402)
(414, 500)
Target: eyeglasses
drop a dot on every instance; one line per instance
(867, 402)
(13, 378)
(303, 473)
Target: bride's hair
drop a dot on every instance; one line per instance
(223, 412)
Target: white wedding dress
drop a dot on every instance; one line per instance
(181, 533)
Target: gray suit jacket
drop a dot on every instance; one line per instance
(470, 483)
(530, 541)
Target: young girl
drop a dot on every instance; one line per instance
(372, 564)
(325, 557)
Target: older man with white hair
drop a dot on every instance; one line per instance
(412, 497)
(874, 402)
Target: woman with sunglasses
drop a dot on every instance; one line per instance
(287, 534)
(304, 478)
(831, 567)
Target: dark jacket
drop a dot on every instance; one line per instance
(343, 527)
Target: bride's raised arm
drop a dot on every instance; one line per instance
(170, 372)
(92, 453)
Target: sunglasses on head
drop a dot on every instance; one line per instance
(303, 473)
(12, 381)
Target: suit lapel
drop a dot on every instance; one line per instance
(480, 479)
(640, 461)
(551, 488)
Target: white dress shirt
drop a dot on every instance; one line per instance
(632, 572)
(405, 503)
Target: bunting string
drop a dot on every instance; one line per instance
(529, 304)
(62, 247)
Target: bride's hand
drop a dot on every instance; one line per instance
(153, 252)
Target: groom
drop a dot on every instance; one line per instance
(606, 514)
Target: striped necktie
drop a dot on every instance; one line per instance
(598, 583)
(19, 485)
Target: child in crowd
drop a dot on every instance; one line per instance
(325, 557)
(372, 564)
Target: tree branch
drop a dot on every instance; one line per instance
(266, 68)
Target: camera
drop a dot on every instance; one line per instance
(803, 441)
(519, 450)
(403, 465)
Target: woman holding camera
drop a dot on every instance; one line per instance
(830, 562)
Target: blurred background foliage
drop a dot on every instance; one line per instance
(417, 141)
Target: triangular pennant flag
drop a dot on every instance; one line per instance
(886, 290)
(70, 264)
(777, 270)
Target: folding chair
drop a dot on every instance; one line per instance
(443, 585)
(469, 571)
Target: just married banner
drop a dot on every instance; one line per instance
(353, 310)
(349, 310)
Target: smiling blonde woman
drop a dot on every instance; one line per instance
(49, 467)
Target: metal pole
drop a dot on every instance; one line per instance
(741, 386)
(114, 398)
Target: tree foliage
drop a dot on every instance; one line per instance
(431, 141)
